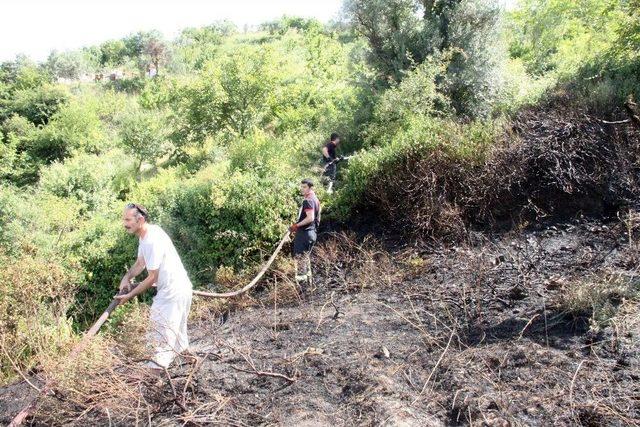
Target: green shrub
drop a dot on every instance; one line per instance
(144, 136)
(421, 138)
(38, 104)
(220, 217)
(416, 97)
(597, 298)
(87, 179)
(16, 163)
(34, 222)
(73, 129)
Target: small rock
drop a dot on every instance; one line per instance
(385, 350)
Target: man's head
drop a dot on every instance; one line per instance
(306, 186)
(134, 218)
(335, 138)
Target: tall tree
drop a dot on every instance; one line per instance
(403, 33)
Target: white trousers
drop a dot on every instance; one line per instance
(168, 334)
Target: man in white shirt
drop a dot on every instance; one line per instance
(171, 305)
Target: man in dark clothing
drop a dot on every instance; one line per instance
(305, 229)
(330, 159)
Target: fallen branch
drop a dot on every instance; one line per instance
(573, 380)
(617, 122)
(527, 325)
(256, 371)
(433, 370)
(265, 373)
(15, 368)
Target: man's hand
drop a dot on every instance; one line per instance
(125, 285)
(293, 228)
(124, 298)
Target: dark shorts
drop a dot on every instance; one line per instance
(303, 241)
(330, 170)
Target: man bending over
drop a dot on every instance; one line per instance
(171, 305)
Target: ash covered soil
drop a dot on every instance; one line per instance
(477, 334)
(492, 332)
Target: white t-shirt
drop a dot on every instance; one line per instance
(159, 254)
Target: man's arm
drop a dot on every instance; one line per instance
(143, 286)
(308, 219)
(134, 271)
(325, 152)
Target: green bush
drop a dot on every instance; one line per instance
(87, 179)
(131, 85)
(73, 129)
(417, 96)
(561, 36)
(34, 222)
(16, 163)
(221, 217)
(144, 136)
(38, 104)
(419, 139)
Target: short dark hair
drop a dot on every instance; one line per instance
(142, 211)
(334, 136)
(307, 181)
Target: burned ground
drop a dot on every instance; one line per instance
(487, 332)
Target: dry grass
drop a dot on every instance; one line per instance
(98, 384)
(598, 298)
(555, 162)
(35, 295)
(356, 266)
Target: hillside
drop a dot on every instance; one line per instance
(504, 330)
(477, 261)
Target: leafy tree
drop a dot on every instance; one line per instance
(144, 136)
(113, 53)
(196, 46)
(70, 65)
(394, 30)
(230, 95)
(75, 128)
(561, 35)
(146, 48)
(628, 43)
(284, 24)
(465, 33)
(156, 52)
(36, 104)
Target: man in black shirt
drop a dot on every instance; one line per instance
(305, 229)
(330, 159)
